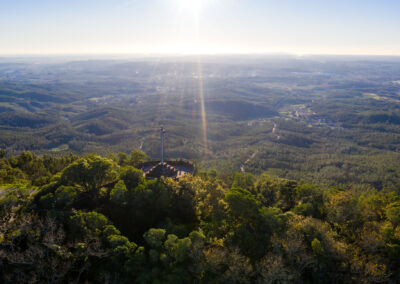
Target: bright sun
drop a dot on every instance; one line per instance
(193, 6)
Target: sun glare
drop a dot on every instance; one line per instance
(191, 6)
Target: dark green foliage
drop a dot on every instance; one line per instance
(132, 177)
(137, 157)
(251, 224)
(98, 220)
(393, 213)
(2, 153)
(91, 172)
(24, 120)
(311, 201)
(87, 224)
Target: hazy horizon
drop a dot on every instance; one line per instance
(189, 27)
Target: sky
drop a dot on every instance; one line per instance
(199, 26)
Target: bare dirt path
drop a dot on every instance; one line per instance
(242, 166)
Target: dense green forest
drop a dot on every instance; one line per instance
(298, 170)
(95, 219)
(330, 121)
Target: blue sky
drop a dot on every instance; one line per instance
(199, 26)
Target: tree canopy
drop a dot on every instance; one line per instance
(95, 219)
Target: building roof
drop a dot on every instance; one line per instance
(171, 169)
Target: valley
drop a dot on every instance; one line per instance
(308, 118)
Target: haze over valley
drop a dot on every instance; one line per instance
(313, 118)
(200, 141)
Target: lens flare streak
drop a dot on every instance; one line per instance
(202, 105)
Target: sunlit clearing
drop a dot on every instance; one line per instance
(191, 6)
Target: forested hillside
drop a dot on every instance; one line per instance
(95, 219)
(329, 121)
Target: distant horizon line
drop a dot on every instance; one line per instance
(178, 54)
